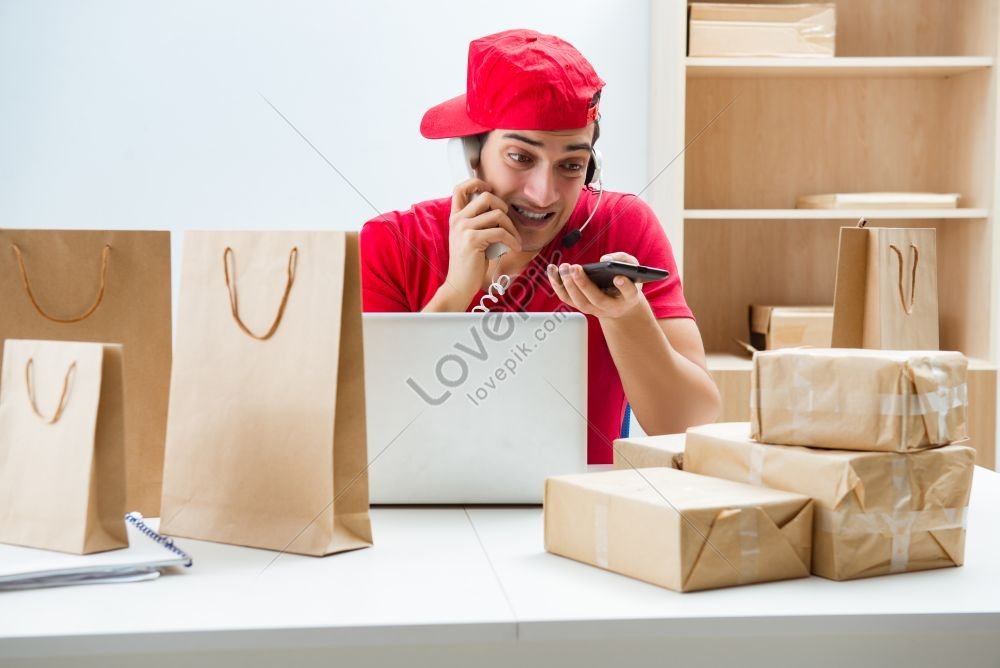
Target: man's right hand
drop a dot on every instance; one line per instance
(478, 219)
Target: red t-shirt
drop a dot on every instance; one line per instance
(402, 276)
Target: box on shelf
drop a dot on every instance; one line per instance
(876, 513)
(774, 327)
(741, 30)
(649, 452)
(678, 530)
(854, 399)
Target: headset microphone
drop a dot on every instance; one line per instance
(571, 238)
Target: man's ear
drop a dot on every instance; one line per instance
(477, 162)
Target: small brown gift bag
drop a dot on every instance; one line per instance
(266, 438)
(62, 446)
(886, 294)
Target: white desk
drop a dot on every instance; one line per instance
(453, 586)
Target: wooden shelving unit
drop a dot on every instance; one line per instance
(910, 103)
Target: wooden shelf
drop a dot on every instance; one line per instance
(833, 214)
(943, 66)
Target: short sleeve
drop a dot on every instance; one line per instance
(381, 269)
(636, 227)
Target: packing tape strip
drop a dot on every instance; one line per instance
(756, 464)
(899, 524)
(900, 555)
(749, 546)
(601, 534)
(801, 398)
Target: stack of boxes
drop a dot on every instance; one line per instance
(864, 443)
(867, 434)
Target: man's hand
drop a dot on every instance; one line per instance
(576, 289)
(478, 219)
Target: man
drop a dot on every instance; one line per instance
(532, 100)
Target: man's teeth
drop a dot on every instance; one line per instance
(532, 216)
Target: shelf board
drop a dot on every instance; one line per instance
(832, 214)
(942, 66)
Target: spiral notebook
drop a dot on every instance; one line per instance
(146, 555)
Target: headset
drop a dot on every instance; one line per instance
(593, 175)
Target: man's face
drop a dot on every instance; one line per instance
(540, 175)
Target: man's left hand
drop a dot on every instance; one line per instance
(575, 288)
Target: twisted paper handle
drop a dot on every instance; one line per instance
(907, 308)
(227, 256)
(105, 255)
(30, 384)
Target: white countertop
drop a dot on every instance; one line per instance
(479, 575)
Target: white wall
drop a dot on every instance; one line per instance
(148, 115)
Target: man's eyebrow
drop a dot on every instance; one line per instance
(534, 142)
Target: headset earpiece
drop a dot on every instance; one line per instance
(593, 167)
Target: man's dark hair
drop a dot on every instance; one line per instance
(597, 133)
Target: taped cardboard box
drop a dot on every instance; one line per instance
(853, 399)
(650, 452)
(775, 327)
(876, 512)
(678, 530)
(730, 29)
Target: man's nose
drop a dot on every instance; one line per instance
(540, 188)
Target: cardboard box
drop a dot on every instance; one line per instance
(650, 452)
(678, 530)
(775, 327)
(736, 30)
(853, 399)
(876, 513)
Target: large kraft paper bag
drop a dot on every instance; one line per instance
(876, 512)
(886, 293)
(266, 438)
(110, 286)
(62, 446)
(842, 398)
(678, 530)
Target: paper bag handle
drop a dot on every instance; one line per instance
(907, 308)
(105, 254)
(29, 383)
(293, 260)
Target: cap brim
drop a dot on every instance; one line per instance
(450, 119)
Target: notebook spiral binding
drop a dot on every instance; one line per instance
(136, 520)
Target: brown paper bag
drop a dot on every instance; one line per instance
(266, 437)
(62, 446)
(114, 286)
(678, 530)
(886, 294)
(876, 513)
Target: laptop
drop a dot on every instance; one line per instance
(469, 408)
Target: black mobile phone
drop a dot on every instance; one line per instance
(603, 273)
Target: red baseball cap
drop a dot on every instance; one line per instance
(519, 80)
